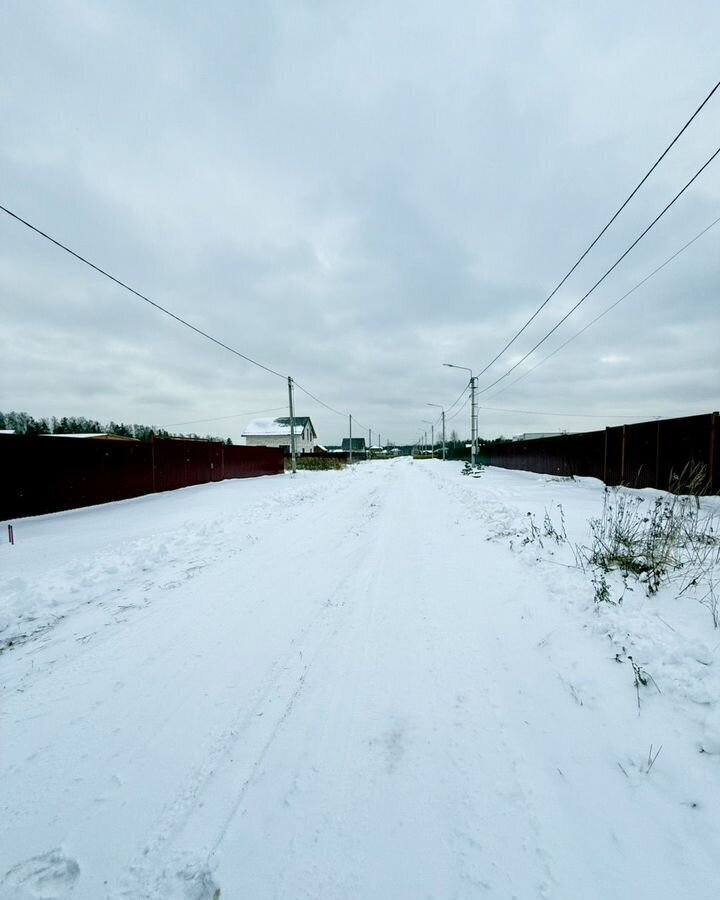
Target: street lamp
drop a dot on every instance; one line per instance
(473, 409)
(432, 435)
(443, 427)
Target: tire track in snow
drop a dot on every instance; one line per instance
(245, 743)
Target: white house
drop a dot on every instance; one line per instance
(276, 433)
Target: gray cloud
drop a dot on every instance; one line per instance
(354, 194)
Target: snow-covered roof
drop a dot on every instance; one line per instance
(269, 427)
(91, 434)
(7, 431)
(84, 434)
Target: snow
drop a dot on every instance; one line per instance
(355, 684)
(85, 435)
(268, 427)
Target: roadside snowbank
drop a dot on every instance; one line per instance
(369, 683)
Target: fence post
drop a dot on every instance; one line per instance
(622, 455)
(657, 456)
(152, 461)
(713, 475)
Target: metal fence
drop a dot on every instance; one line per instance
(646, 454)
(46, 474)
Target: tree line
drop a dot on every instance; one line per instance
(23, 423)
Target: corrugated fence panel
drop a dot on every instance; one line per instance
(571, 454)
(217, 468)
(41, 474)
(684, 443)
(247, 462)
(646, 454)
(48, 474)
(169, 465)
(613, 454)
(640, 458)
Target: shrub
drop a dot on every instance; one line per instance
(666, 540)
(315, 463)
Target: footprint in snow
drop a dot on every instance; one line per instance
(50, 876)
(190, 883)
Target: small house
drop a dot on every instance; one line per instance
(358, 445)
(276, 433)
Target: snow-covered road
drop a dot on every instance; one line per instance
(344, 686)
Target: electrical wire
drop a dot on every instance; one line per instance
(457, 413)
(460, 396)
(606, 311)
(142, 296)
(160, 308)
(252, 412)
(330, 408)
(318, 400)
(465, 390)
(602, 232)
(603, 277)
(537, 412)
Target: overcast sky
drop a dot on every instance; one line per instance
(354, 194)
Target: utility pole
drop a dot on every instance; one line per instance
(473, 410)
(432, 434)
(473, 403)
(350, 444)
(443, 421)
(292, 425)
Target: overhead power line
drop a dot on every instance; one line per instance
(602, 232)
(318, 400)
(331, 408)
(607, 310)
(603, 277)
(567, 415)
(458, 411)
(453, 404)
(137, 293)
(252, 412)
(159, 307)
(459, 398)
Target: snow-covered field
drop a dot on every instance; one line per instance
(358, 685)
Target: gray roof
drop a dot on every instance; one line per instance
(357, 444)
(300, 422)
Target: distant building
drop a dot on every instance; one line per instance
(358, 445)
(534, 435)
(276, 433)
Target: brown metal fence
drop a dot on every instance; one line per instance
(46, 474)
(646, 454)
